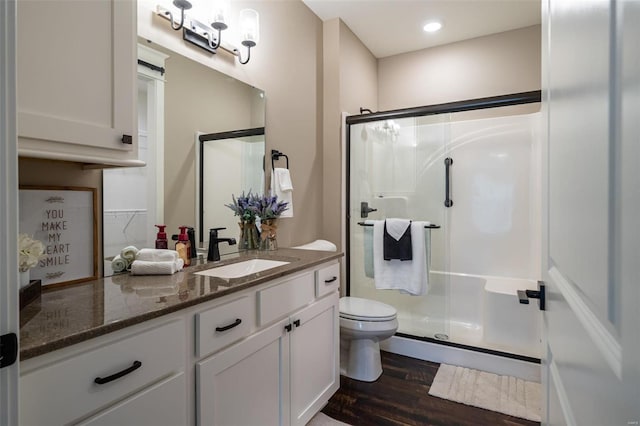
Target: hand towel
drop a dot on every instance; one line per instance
(397, 239)
(409, 276)
(157, 255)
(143, 267)
(368, 249)
(129, 253)
(282, 187)
(118, 264)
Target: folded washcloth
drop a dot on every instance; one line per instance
(129, 253)
(143, 267)
(118, 264)
(157, 255)
(282, 187)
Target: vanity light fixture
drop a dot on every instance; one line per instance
(432, 27)
(209, 36)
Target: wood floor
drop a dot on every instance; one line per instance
(400, 397)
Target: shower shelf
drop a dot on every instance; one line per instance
(426, 226)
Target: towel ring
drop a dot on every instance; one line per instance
(275, 155)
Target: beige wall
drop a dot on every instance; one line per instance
(286, 64)
(497, 64)
(350, 82)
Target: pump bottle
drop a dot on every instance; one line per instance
(161, 238)
(183, 246)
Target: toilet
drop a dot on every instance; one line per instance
(364, 324)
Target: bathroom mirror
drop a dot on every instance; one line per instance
(176, 105)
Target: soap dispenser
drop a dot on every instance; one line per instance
(183, 246)
(161, 238)
(191, 233)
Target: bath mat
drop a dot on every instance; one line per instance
(322, 419)
(504, 394)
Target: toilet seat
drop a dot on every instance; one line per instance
(358, 309)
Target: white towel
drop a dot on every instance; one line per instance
(282, 187)
(118, 264)
(157, 255)
(396, 227)
(129, 253)
(410, 276)
(143, 267)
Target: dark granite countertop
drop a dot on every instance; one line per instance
(68, 315)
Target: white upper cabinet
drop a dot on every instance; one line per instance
(77, 81)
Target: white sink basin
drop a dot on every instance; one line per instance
(241, 269)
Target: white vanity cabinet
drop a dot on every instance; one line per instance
(286, 371)
(112, 380)
(77, 90)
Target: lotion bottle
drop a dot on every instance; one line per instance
(183, 246)
(161, 238)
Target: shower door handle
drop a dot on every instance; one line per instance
(448, 202)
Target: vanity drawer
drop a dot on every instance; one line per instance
(281, 299)
(222, 325)
(67, 390)
(327, 279)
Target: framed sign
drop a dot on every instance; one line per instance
(64, 220)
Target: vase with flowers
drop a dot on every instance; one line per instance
(245, 206)
(269, 210)
(30, 252)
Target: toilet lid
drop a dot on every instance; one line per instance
(356, 308)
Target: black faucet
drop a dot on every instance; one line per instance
(214, 252)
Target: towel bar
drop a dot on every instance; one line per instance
(426, 226)
(275, 155)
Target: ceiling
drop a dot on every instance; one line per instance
(390, 27)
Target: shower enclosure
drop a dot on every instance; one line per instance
(471, 169)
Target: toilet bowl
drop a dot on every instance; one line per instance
(364, 324)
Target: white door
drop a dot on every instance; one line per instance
(591, 253)
(8, 212)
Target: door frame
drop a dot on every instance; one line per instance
(8, 207)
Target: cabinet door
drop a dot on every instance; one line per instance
(314, 358)
(164, 404)
(77, 78)
(245, 385)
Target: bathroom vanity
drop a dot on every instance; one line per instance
(260, 349)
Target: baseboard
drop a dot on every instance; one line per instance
(435, 352)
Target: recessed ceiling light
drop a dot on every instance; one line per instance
(432, 27)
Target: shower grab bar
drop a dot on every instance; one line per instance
(425, 227)
(448, 202)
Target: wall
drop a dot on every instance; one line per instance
(286, 64)
(497, 64)
(350, 82)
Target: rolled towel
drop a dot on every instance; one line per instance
(143, 267)
(157, 255)
(118, 264)
(129, 253)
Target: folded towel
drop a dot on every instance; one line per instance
(129, 253)
(143, 267)
(157, 255)
(397, 239)
(118, 264)
(282, 187)
(410, 276)
(322, 245)
(368, 249)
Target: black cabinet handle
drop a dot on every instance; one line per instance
(330, 280)
(127, 139)
(236, 323)
(540, 294)
(288, 327)
(448, 202)
(116, 376)
(297, 323)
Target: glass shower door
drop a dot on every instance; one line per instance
(397, 170)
